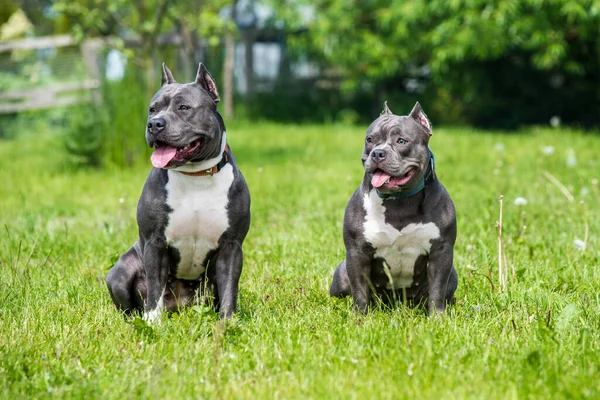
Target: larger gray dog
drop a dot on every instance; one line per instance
(194, 211)
(400, 224)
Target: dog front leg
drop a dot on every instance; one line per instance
(157, 269)
(228, 268)
(358, 266)
(439, 269)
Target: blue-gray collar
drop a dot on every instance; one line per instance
(429, 175)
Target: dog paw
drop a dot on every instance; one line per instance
(152, 317)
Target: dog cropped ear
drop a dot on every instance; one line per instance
(386, 110)
(418, 115)
(167, 76)
(206, 81)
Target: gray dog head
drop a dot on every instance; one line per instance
(183, 122)
(396, 150)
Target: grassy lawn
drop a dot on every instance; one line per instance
(60, 335)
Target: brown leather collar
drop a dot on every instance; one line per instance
(213, 170)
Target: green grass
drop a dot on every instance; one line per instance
(60, 335)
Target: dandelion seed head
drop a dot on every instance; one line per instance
(571, 158)
(520, 201)
(579, 244)
(548, 150)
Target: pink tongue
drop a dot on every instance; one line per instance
(398, 181)
(162, 155)
(379, 178)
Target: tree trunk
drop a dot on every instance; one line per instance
(284, 64)
(228, 65)
(186, 53)
(249, 38)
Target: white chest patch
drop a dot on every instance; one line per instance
(198, 219)
(399, 249)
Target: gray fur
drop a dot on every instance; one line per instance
(137, 280)
(434, 276)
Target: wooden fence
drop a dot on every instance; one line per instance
(57, 94)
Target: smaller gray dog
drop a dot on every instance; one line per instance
(194, 211)
(400, 224)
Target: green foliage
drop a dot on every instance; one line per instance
(61, 336)
(203, 19)
(377, 39)
(473, 61)
(110, 131)
(92, 18)
(85, 133)
(125, 103)
(543, 48)
(137, 26)
(7, 8)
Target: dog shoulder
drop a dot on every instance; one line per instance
(354, 217)
(152, 208)
(440, 207)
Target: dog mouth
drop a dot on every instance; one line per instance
(381, 178)
(165, 154)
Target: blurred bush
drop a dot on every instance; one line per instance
(84, 136)
(500, 64)
(492, 64)
(111, 130)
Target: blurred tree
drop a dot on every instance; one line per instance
(142, 28)
(7, 8)
(144, 19)
(203, 23)
(228, 65)
(39, 12)
(381, 46)
(195, 22)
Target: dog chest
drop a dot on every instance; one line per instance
(198, 217)
(400, 249)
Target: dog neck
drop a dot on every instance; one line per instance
(210, 166)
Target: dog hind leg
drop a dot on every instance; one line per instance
(126, 281)
(340, 287)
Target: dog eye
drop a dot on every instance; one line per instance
(369, 139)
(152, 110)
(183, 107)
(402, 141)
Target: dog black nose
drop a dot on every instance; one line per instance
(156, 125)
(378, 155)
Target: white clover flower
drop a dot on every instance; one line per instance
(548, 150)
(499, 146)
(470, 247)
(121, 200)
(585, 191)
(520, 201)
(555, 121)
(579, 244)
